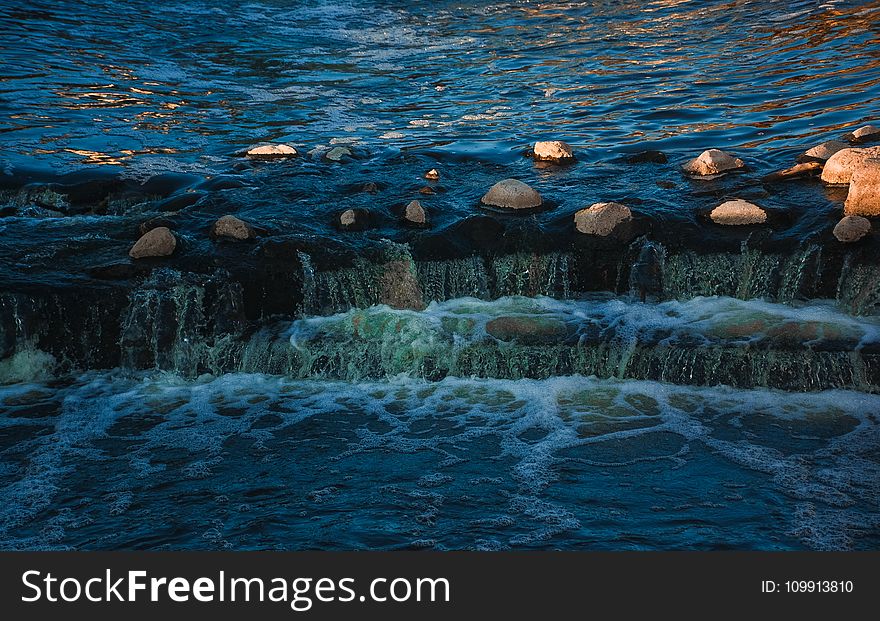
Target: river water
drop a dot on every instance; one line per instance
(264, 395)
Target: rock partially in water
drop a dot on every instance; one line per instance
(840, 166)
(271, 151)
(738, 212)
(821, 152)
(650, 156)
(354, 220)
(512, 194)
(552, 151)
(427, 191)
(852, 229)
(602, 218)
(415, 214)
(713, 162)
(804, 169)
(866, 133)
(157, 242)
(399, 287)
(531, 330)
(863, 198)
(233, 228)
(432, 174)
(337, 154)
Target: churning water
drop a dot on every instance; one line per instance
(489, 382)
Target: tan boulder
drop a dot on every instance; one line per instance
(864, 133)
(852, 229)
(271, 151)
(552, 151)
(840, 166)
(512, 194)
(415, 213)
(738, 212)
(803, 169)
(432, 174)
(157, 242)
(821, 152)
(863, 198)
(713, 162)
(601, 218)
(233, 228)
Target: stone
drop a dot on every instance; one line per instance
(852, 229)
(272, 151)
(738, 212)
(804, 169)
(601, 218)
(821, 152)
(552, 151)
(399, 286)
(713, 162)
(157, 242)
(651, 156)
(840, 166)
(512, 194)
(354, 219)
(529, 330)
(337, 153)
(233, 228)
(415, 213)
(864, 134)
(427, 191)
(432, 174)
(863, 198)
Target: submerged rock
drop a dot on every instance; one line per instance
(821, 152)
(651, 156)
(157, 242)
(527, 329)
(233, 228)
(512, 194)
(601, 218)
(272, 151)
(713, 162)
(336, 154)
(840, 166)
(552, 151)
(804, 169)
(863, 198)
(414, 213)
(863, 134)
(852, 229)
(432, 174)
(738, 212)
(427, 190)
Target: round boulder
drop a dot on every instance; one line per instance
(552, 151)
(271, 151)
(713, 162)
(863, 198)
(840, 166)
(738, 212)
(601, 218)
(821, 152)
(157, 242)
(233, 228)
(512, 194)
(864, 134)
(852, 229)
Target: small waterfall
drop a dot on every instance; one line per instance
(455, 278)
(858, 288)
(531, 274)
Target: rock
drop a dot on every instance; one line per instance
(552, 151)
(650, 156)
(337, 153)
(232, 227)
(399, 286)
(512, 194)
(852, 229)
(428, 191)
(157, 242)
(863, 198)
(271, 151)
(840, 166)
(601, 218)
(354, 219)
(864, 134)
(821, 152)
(415, 214)
(432, 174)
(738, 212)
(713, 162)
(804, 169)
(370, 187)
(530, 330)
